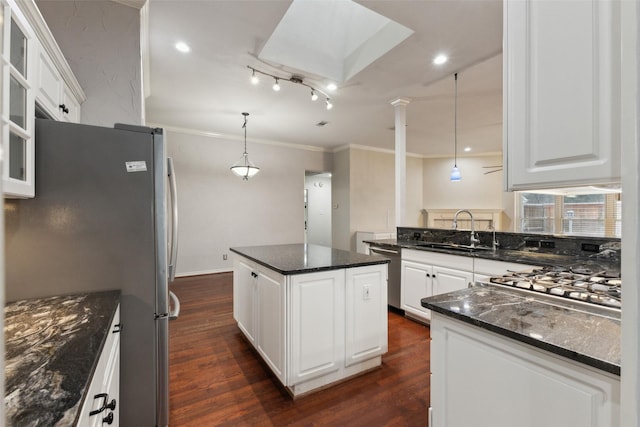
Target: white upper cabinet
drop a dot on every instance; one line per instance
(562, 70)
(18, 174)
(34, 71)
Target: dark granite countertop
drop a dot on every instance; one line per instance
(305, 258)
(582, 332)
(517, 256)
(52, 346)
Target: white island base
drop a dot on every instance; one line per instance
(313, 329)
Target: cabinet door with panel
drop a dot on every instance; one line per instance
(449, 280)
(18, 109)
(562, 93)
(244, 296)
(317, 325)
(366, 313)
(271, 318)
(416, 283)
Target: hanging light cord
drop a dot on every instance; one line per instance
(244, 126)
(455, 124)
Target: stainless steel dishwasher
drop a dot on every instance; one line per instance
(393, 284)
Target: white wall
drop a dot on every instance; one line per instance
(101, 41)
(318, 209)
(474, 191)
(218, 210)
(364, 193)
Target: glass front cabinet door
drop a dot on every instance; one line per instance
(18, 107)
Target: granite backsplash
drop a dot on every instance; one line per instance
(591, 247)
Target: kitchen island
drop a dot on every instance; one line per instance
(316, 315)
(502, 357)
(52, 348)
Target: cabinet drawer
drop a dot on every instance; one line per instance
(435, 258)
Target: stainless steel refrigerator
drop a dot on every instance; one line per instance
(104, 217)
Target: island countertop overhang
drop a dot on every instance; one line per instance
(301, 258)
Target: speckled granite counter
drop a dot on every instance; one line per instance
(585, 333)
(301, 258)
(52, 347)
(594, 263)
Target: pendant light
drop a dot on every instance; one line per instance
(243, 167)
(455, 173)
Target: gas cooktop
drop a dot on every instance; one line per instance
(584, 285)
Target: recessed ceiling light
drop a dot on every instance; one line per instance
(467, 149)
(332, 87)
(440, 59)
(183, 47)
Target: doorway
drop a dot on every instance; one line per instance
(317, 208)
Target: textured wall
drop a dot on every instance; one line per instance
(218, 210)
(101, 41)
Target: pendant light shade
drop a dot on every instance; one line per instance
(244, 168)
(455, 172)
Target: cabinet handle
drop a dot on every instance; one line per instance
(253, 274)
(108, 419)
(111, 405)
(428, 275)
(117, 328)
(63, 108)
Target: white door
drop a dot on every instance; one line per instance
(416, 283)
(244, 290)
(449, 280)
(316, 325)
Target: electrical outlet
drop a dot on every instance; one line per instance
(531, 243)
(224, 257)
(550, 244)
(366, 292)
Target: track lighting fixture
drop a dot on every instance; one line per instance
(293, 79)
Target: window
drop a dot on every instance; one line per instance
(594, 215)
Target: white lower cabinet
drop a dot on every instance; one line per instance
(316, 328)
(366, 311)
(317, 325)
(480, 379)
(102, 402)
(244, 290)
(425, 274)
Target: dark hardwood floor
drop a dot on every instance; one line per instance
(217, 379)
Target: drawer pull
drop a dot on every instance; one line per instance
(64, 108)
(117, 328)
(105, 398)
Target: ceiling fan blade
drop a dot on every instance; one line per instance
(488, 172)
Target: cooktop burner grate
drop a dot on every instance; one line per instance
(582, 284)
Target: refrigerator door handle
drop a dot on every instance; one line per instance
(173, 255)
(173, 314)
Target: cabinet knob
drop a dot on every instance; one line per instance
(108, 419)
(63, 108)
(111, 405)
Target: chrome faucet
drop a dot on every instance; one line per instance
(474, 236)
(494, 241)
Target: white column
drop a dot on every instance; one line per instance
(400, 107)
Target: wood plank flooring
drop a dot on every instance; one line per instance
(217, 379)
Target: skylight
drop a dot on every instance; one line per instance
(334, 39)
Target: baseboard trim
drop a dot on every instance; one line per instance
(203, 272)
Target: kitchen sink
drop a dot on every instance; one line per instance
(453, 246)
